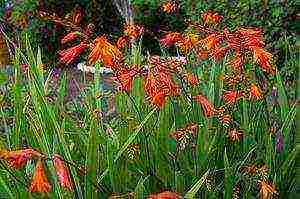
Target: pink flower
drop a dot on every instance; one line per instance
(62, 172)
(207, 107)
(68, 56)
(17, 159)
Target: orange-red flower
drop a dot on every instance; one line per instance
(235, 135)
(210, 42)
(39, 181)
(237, 62)
(211, 17)
(70, 37)
(168, 65)
(202, 54)
(230, 97)
(158, 86)
(159, 99)
(251, 37)
(255, 93)
(151, 85)
(233, 40)
(165, 195)
(249, 170)
(188, 42)
(267, 190)
(125, 78)
(17, 159)
(68, 56)
(122, 42)
(107, 53)
(264, 59)
(188, 129)
(62, 172)
(191, 79)
(167, 85)
(223, 117)
(170, 39)
(169, 7)
(159, 83)
(155, 94)
(133, 31)
(218, 53)
(207, 107)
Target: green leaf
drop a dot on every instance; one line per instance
(127, 143)
(3, 78)
(196, 187)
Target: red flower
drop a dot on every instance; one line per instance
(235, 135)
(39, 181)
(211, 18)
(210, 42)
(208, 108)
(230, 97)
(255, 93)
(191, 79)
(168, 65)
(155, 94)
(159, 83)
(68, 56)
(133, 31)
(267, 190)
(169, 7)
(187, 43)
(251, 37)
(202, 54)
(17, 159)
(218, 53)
(122, 42)
(70, 37)
(165, 195)
(188, 129)
(125, 78)
(107, 53)
(151, 85)
(158, 87)
(62, 172)
(166, 84)
(264, 59)
(159, 99)
(170, 39)
(237, 62)
(234, 40)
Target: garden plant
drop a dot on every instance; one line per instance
(207, 115)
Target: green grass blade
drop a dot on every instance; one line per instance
(196, 187)
(128, 142)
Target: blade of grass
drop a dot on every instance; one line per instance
(91, 154)
(228, 178)
(127, 143)
(196, 187)
(5, 189)
(16, 134)
(140, 188)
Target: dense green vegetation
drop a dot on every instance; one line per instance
(195, 141)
